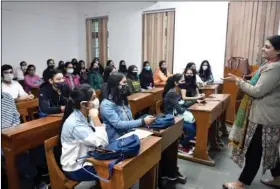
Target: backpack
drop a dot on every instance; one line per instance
(118, 150)
(163, 121)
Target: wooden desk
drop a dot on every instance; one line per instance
(140, 101)
(27, 108)
(204, 115)
(129, 171)
(24, 137)
(209, 89)
(160, 85)
(156, 92)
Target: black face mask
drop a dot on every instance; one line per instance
(134, 74)
(124, 90)
(51, 66)
(59, 86)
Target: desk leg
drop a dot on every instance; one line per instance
(148, 181)
(223, 127)
(12, 173)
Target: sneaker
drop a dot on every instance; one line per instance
(180, 178)
(166, 184)
(169, 178)
(182, 150)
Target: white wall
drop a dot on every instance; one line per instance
(37, 31)
(200, 31)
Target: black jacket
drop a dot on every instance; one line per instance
(171, 102)
(50, 101)
(47, 74)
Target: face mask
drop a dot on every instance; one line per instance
(148, 68)
(134, 73)
(59, 85)
(182, 86)
(51, 66)
(8, 77)
(204, 67)
(188, 77)
(70, 70)
(163, 68)
(123, 89)
(23, 67)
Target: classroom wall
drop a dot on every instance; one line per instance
(37, 31)
(200, 31)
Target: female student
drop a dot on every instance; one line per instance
(94, 76)
(122, 67)
(115, 111)
(107, 72)
(205, 73)
(53, 94)
(82, 71)
(172, 98)
(110, 63)
(161, 74)
(31, 80)
(133, 80)
(61, 66)
(71, 79)
(193, 67)
(81, 131)
(146, 76)
(101, 68)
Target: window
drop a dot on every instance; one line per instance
(97, 39)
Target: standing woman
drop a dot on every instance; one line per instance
(162, 73)
(205, 73)
(146, 76)
(31, 80)
(71, 79)
(258, 119)
(122, 67)
(133, 80)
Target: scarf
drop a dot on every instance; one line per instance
(238, 132)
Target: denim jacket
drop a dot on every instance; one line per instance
(118, 119)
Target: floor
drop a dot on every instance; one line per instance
(206, 177)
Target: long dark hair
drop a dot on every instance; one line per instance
(275, 42)
(113, 92)
(122, 68)
(150, 72)
(190, 86)
(206, 73)
(170, 83)
(28, 68)
(108, 70)
(109, 62)
(163, 71)
(130, 72)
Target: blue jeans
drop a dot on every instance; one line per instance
(189, 133)
(81, 174)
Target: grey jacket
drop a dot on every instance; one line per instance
(265, 107)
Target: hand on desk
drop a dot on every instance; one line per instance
(149, 119)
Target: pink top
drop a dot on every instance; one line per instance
(72, 80)
(31, 82)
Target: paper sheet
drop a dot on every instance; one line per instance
(139, 132)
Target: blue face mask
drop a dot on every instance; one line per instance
(148, 68)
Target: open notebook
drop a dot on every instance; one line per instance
(141, 133)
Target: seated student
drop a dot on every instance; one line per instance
(108, 71)
(122, 67)
(101, 68)
(20, 72)
(13, 87)
(115, 110)
(31, 80)
(10, 117)
(80, 133)
(110, 63)
(53, 94)
(172, 98)
(82, 71)
(162, 74)
(94, 76)
(133, 80)
(47, 72)
(193, 67)
(205, 73)
(71, 79)
(61, 66)
(146, 76)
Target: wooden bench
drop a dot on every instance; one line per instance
(24, 137)
(140, 101)
(27, 108)
(57, 177)
(129, 171)
(209, 89)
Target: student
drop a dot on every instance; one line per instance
(108, 71)
(61, 66)
(205, 73)
(122, 67)
(31, 80)
(53, 94)
(13, 87)
(94, 76)
(193, 67)
(82, 71)
(133, 80)
(71, 79)
(47, 72)
(80, 132)
(161, 74)
(172, 98)
(110, 63)
(101, 68)
(115, 111)
(146, 76)
(20, 72)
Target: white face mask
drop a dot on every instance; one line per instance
(23, 67)
(70, 70)
(8, 77)
(204, 67)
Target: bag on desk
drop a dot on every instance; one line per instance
(118, 150)
(163, 121)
